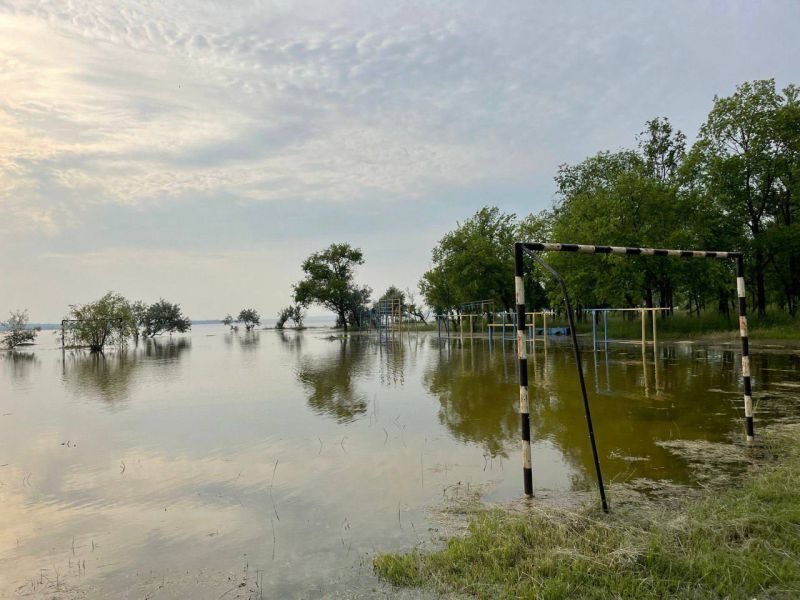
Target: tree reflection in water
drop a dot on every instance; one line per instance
(20, 364)
(475, 402)
(332, 380)
(108, 376)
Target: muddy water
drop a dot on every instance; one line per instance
(275, 465)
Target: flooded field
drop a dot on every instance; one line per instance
(272, 464)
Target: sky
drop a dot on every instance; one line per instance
(199, 151)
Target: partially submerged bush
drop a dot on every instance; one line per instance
(17, 330)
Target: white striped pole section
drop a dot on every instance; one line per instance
(740, 289)
(748, 393)
(524, 410)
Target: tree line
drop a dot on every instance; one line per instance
(736, 188)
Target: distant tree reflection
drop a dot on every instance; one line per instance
(476, 405)
(110, 376)
(20, 364)
(332, 380)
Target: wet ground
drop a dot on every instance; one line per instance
(268, 464)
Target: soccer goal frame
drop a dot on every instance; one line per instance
(531, 249)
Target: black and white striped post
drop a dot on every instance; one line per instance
(524, 411)
(748, 392)
(520, 247)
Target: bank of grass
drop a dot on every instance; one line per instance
(743, 542)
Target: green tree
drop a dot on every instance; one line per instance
(745, 160)
(163, 317)
(109, 320)
(475, 261)
(330, 281)
(228, 321)
(393, 292)
(297, 315)
(249, 317)
(283, 316)
(16, 330)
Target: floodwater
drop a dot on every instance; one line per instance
(268, 464)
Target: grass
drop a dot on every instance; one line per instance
(743, 542)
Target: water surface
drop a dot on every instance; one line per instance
(284, 461)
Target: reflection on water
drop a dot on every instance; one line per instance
(331, 380)
(19, 365)
(475, 405)
(109, 376)
(300, 454)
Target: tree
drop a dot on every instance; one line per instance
(249, 317)
(283, 316)
(139, 312)
(17, 330)
(109, 320)
(745, 160)
(414, 309)
(297, 314)
(329, 281)
(294, 313)
(163, 317)
(393, 292)
(473, 262)
(228, 321)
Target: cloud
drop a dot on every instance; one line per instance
(308, 108)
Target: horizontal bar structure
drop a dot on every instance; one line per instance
(637, 309)
(630, 251)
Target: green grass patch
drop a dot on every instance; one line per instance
(743, 542)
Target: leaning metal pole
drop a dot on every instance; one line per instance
(579, 366)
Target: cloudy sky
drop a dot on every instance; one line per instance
(199, 150)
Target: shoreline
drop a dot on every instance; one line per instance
(731, 537)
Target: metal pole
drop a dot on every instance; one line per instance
(605, 331)
(594, 330)
(748, 392)
(544, 328)
(643, 312)
(579, 366)
(655, 337)
(524, 411)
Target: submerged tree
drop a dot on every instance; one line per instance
(17, 330)
(228, 321)
(294, 313)
(297, 314)
(109, 320)
(283, 316)
(329, 281)
(249, 317)
(164, 317)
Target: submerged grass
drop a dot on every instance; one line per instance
(743, 542)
